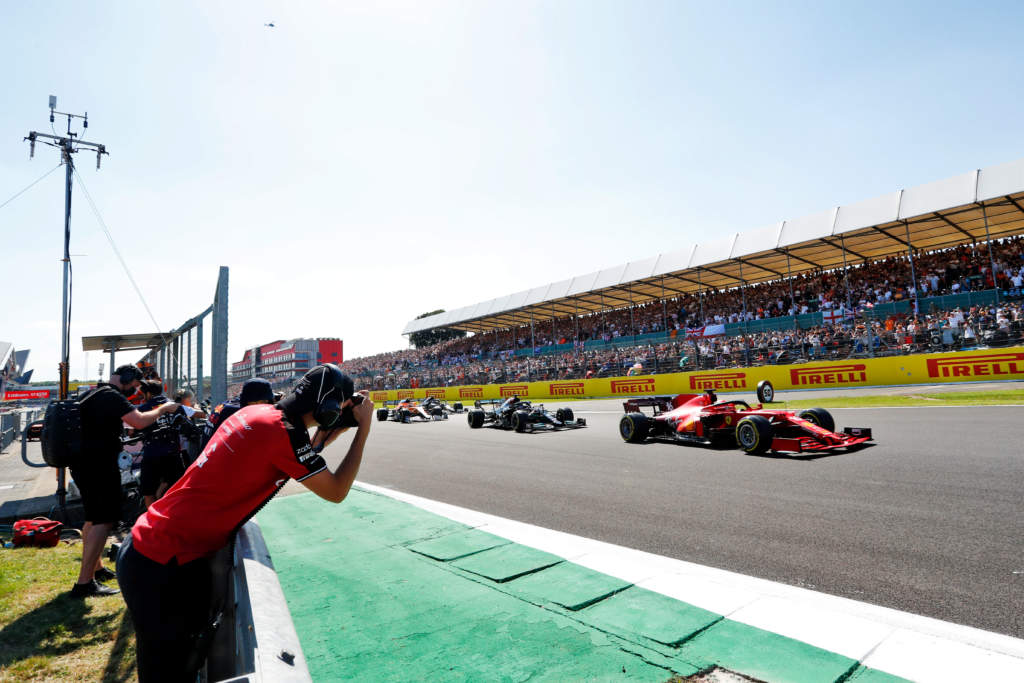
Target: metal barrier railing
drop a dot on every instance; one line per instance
(13, 425)
(181, 358)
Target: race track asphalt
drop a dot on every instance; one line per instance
(930, 520)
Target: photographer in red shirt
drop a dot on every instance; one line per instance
(164, 567)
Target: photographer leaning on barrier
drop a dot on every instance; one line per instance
(164, 566)
(103, 410)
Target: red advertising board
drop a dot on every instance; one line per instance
(26, 395)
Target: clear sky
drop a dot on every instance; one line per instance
(362, 163)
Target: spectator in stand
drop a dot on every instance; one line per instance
(97, 474)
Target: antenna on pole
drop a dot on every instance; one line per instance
(68, 144)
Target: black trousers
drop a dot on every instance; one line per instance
(170, 606)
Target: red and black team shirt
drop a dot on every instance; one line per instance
(248, 459)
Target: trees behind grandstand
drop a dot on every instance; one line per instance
(428, 337)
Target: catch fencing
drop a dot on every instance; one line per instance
(194, 355)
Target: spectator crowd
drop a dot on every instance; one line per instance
(847, 299)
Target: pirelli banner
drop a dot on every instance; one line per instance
(936, 368)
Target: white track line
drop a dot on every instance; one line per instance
(772, 407)
(904, 644)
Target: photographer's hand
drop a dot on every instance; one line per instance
(168, 407)
(334, 486)
(363, 413)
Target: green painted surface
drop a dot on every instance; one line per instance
(865, 675)
(764, 655)
(459, 544)
(507, 562)
(641, 612)
(368, 609)
(568, 585)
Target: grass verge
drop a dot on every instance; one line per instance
(952, 398)
(45, 635)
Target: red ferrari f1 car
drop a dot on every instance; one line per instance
(703, 419)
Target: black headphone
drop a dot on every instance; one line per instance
(327, 411)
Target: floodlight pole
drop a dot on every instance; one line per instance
(68, 144)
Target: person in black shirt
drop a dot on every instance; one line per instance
(161, 462)
(96, 473)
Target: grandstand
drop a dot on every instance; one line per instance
(972, 208)
(927, 268)
(12, 367)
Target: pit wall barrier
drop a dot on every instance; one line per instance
(925, 368)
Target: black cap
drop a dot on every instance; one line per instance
(256, 389)
(324, 388)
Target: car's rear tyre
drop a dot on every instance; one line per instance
(404, 415)
(820, 417)
(765, 391)
(520, 420)
(634, 427)
(475, 418)
(437, 412)
(754, 434)
(382, 414)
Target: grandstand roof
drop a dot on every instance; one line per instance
(935, 215)
(123, 342)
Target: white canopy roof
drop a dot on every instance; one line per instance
(958, 210)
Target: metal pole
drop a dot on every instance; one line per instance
(700, 296)
(743, 293)
(992, 261)
(913, 273)
(64, 318)
(604, 316)
(792, 296)
(69, 168)
(664, 307)
(632, 320)
(554, 332)
(533, 343)
(199, 360)
(576, 317)
(846, 274)
(219, 355)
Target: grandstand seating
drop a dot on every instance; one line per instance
(868, 309)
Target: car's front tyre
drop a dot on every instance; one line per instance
(754, 434)
(820, 417)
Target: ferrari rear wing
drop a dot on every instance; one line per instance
(659, 403)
